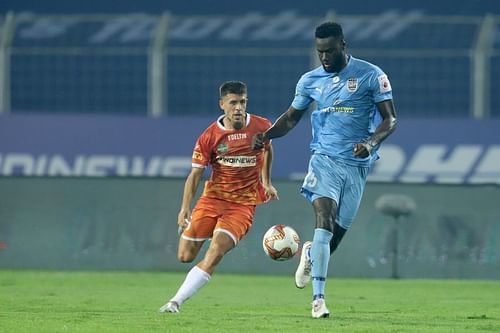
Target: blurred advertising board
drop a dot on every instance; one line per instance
(452, 151)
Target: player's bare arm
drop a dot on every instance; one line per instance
(190, 188)
(281, 127)
(271, 191)
(388, 125)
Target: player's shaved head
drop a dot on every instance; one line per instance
(232, 87)
(329, 29)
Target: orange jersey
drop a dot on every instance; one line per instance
(236, 167)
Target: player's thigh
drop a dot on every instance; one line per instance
(351, 196)
(203, 220)
(325, 210)
(236, 221)
(220, 244)
(325, 178)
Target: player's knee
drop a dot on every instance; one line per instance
(185, 257)
(324, 220)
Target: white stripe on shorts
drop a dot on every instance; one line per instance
(235, 240)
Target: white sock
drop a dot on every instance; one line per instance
(195, 279)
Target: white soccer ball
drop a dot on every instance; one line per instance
(281, 242)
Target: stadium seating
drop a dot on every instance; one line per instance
(103, 63)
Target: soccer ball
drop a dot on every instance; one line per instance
(280, 242)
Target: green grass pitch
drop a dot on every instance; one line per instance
(32, 301)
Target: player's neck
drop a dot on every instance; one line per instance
(341, 66)
(228, 125)
(344, 64)
(347, 57)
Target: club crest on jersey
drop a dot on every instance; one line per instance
(352, 84)
(222, 148)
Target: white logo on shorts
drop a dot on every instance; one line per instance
(310, 180)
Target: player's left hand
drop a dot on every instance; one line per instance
(362, 150)
(271, 192)
(258, 141)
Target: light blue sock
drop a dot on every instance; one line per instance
(320, 256)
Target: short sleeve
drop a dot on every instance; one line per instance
(201, 152)
(302, 98)
(380, 86)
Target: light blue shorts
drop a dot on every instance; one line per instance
(332, 178)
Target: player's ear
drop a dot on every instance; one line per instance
(221, 103)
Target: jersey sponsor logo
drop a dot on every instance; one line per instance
(344, 109)
(384, 84)
(237, 161)
(222, 148)
(237, 136)
(352, 84)
(341, 109)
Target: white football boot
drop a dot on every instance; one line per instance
(319, 309)
(171, 306)
(303, 272)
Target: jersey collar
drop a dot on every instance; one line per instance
(219, 122)
(349, 57)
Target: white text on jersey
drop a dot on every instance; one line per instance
(237, 136)
(238, 161)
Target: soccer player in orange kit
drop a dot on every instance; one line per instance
(240, 180)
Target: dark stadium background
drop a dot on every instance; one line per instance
(100, 106)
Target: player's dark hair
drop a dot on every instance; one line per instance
(329, 29)
(232, 87)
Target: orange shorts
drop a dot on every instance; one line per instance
(213, 215)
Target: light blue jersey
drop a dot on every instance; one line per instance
(345, 113)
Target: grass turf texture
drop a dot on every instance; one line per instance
(32, 301)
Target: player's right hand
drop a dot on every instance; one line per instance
(271, 192)
(183, 220)
(258, 141)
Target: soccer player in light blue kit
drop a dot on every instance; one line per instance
(354, 114)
